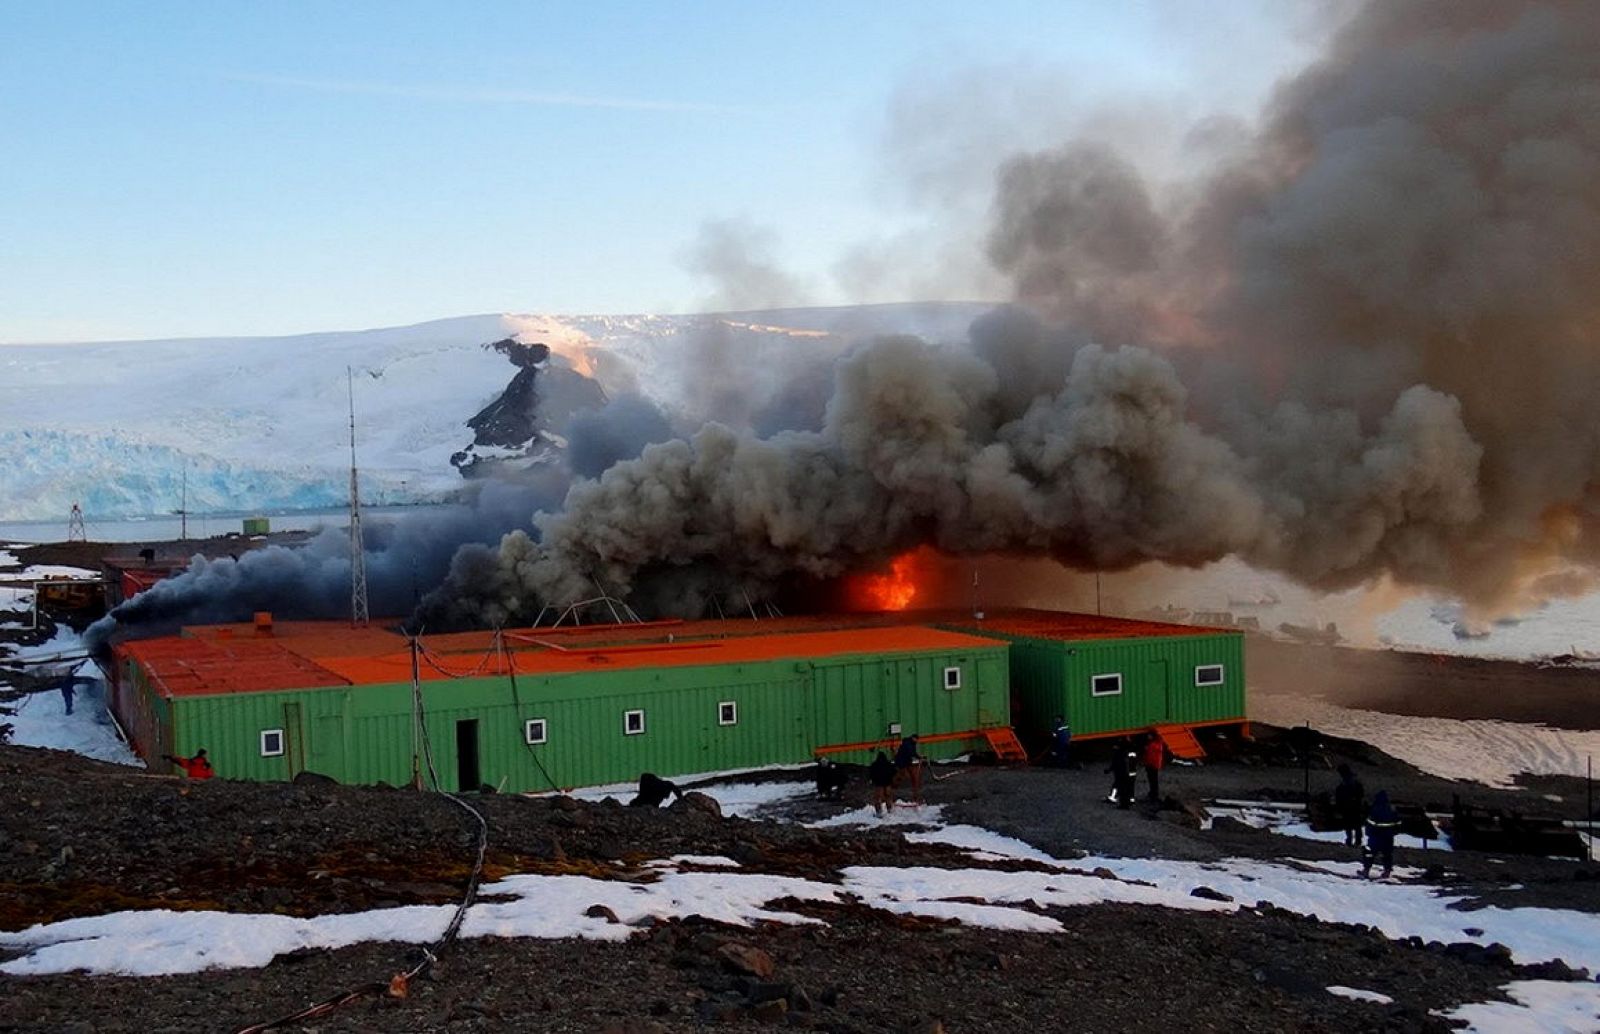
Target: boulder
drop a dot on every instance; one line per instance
(750, 961)
(695, 801)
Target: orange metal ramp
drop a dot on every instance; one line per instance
(1181, 742)
(1005, 744)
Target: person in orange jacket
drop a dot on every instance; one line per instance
(197, 767)
(1155, 756)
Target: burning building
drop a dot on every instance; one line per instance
(554, 708)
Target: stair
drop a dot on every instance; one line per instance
(1181, 742)
(1005, 744)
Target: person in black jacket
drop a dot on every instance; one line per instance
(831, 780)
(1350, 803)
(882, 772)
(1124, 765)
(653, 791)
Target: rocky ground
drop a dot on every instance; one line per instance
(81, 838)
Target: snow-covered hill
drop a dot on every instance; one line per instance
(260, 423)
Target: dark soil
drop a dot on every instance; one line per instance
(80, 838)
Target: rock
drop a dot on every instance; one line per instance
(742, 958)
(1208, 894)
(695, 801)
(601, 912)
(799, 1000)
(309, 778)
(632, 1026)
(1554, 969)
(565, 803)
(746, 853)
(772, 1011)
(759, 991)
(1178, 817)
(1473, 931)
(488, 788)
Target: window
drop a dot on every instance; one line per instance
(632, 723)
(1105, 685)
(1208, 675)
(728, 713)
(952, 678)
(272, 743)
(535, 731)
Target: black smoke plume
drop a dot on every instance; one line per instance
(1363, 343)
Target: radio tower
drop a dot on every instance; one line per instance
(358, 557)
(75, 528)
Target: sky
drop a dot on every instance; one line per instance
(192, 169)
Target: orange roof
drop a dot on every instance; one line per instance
(182, 666)
(1051, 624)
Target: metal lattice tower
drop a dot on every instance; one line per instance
(76, 532)
(358, 557)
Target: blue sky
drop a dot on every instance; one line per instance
(217, 168)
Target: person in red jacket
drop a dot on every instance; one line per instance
(197, 767)
(1155, 756)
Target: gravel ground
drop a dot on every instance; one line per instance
(77, 837)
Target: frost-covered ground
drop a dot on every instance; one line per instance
(41, 719)
(164, 942)
(1489, 752)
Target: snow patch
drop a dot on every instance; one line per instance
(1551, 1006)
(1357, 994)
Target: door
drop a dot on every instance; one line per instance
(294, 746)
(467, 779)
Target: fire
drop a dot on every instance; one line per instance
(895, 590)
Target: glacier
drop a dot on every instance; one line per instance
(125, 428)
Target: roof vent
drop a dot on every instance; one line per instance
(263, 622)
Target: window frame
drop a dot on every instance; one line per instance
(283, 743)
(727, 712)
(954, 669)
(626, 722)
(1221, 679)
(1107, 692)
(527, 731)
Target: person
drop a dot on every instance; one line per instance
(1383, 822)
(908, 762)
(1061, 743)
(1349, 801)
(830, 780)
(197, 767)
(881, 774)
(1155, 756)
(1123, 765)
(653, 791)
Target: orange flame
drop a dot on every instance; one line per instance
(895, 590)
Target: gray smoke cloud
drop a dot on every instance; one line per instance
(404, 557)
(1359, 340)
(738, 258)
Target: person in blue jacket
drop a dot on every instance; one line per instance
(1061, 743)
(1383, 822)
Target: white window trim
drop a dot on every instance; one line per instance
(1222, 674)
(544, 731)
(281, 744)
(722, 719)
(948, 683)
(626, 724)
(1105, 692)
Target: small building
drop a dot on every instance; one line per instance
(545, 708)
(1114, 676)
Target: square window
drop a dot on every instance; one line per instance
(272, 743)
(632, 722)
(535, 731)
(952, 678)
(1208, 675)
(1105, 685)
(728, 713)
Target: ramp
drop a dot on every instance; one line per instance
(1005, 744)
(1180, 742)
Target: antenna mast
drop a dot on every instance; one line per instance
(75, 528)
(358, 557)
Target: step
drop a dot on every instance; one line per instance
(1180, 742)
(1005, 744)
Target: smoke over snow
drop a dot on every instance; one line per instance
(1360, 340)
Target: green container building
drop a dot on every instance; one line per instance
(552, 713)
(1110, 676)
(257, 526)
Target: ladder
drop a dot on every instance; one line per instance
(1180, 741)
(1005, 744)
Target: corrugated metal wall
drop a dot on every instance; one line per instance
(784, 711)
(1158, 682)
